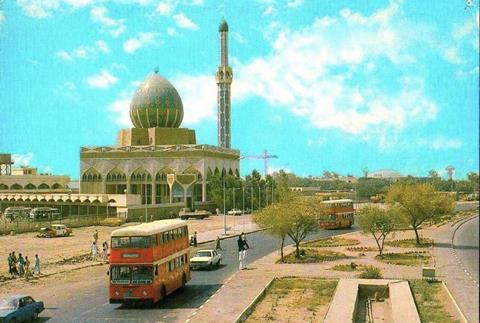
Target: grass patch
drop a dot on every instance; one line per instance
(371, 272)
(410, 243)
(406, 258)
(292, 297)
(427, 296)
(309, 255)
(345, 267)
(112, 222)
(331, 242)
(446, 218)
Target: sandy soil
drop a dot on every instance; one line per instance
(54, 250)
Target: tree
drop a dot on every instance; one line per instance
(368, 187)
(293, 216)
(473, 179)
(417, 203)
(377, 222)
(273, 219)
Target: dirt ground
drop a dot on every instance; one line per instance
(55, 250)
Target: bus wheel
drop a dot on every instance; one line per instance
(163, 292)
(184, 280)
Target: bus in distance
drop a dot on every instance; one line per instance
(337, 214)
(148, 261)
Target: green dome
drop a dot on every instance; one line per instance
(223, 26)
(156, 104)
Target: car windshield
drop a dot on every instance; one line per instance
(130, 242)
(203, 254)
(8, 304)
(138, 275)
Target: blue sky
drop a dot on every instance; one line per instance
(325, 85)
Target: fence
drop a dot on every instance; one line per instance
(26, 225)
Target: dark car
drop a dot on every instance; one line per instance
(19, 308)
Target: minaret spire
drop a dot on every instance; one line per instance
(224, 78)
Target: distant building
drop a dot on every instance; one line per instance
(385, 174)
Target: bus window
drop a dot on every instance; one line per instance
(165, 237)
(120, 242)
(120, 275)
(141, 274)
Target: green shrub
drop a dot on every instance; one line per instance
(371, 272)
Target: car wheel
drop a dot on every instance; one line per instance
(184, 280)
(218, 263)
(210, 266)
(163, 292)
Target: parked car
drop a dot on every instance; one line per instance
(186, 213)
(205, 259)
(19, 308)
(55, 230)
(234, 212)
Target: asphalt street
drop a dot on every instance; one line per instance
(89, 302)
(466, 243)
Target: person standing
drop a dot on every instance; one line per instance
(9, 261)
(27, 267)
(244, 238)
(241, 253)
(217, 244)
(36, 265)
(94, 251)
(245, 247)
(105, 251)
(21, 265)
(195, 239)
(95, 236)
(14, 264)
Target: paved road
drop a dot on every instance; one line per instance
(466, 243)
(89, 302)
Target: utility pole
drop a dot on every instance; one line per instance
(224, 207)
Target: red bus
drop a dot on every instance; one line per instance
(337, 214)
(148, 261)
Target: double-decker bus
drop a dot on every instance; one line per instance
(337, 214)
(148, 261)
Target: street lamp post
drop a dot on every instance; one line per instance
(224, 207)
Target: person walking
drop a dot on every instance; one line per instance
(95, 236)
(10, 264)
(195, 239)
(244, 238)
(217, 244)
(27, 267)
(36, 265)
(94, 251)
(14, 264)
(104, 251)
(21, 265)
(241, 253)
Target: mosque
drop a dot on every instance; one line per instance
(157, 165)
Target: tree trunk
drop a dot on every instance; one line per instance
(297, 251)
(416, 235)
(281, 249)
(378, 245)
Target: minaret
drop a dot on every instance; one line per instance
(224, 78)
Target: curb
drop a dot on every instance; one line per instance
(229, 237)
(458, 227)
(454, 302)
(462, 219)
(248, 310)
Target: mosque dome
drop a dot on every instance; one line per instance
(156, 104)
(223, 26)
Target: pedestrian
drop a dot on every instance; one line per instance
(14, 264)
(36, 265)
(241, 253)
(94, 251)
(104, 251)
(244, 238)
(195, 239)
(217, 244)
(21, 265)
(27, 267)
(9, 261)
(95, 236)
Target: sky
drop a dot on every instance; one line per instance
(324, 85)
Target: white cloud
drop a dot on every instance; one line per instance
(121, 107)
(99, 15)
(171, 31)
(183, 21)
(141, 40)
(165, 8)
(198, 95)
(84, 52)
(22, 159)
(295, 3)
(440, 143)
(77, 4)
(197, 2)
(38, 8)
(2, 16)
(102, 80)
(268, 11)
(238, 37)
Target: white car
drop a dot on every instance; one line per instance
(205, 259)
(234, 212)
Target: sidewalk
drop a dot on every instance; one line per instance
(462, 287)
(241, 289)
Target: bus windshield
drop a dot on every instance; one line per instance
(137, 275)
(130, 242)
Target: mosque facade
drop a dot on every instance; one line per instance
(157, 159)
